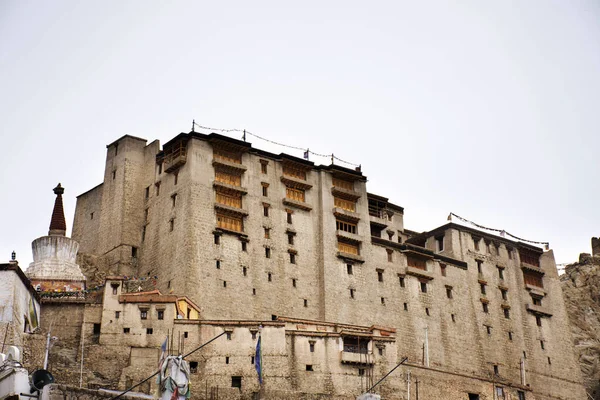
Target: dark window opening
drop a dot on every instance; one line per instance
(453, 317)
(289, 217)
(423, 287)
(293, 282)
(427, 311)
(253, 292)
(449, 292)
(147, 194)
(244, 246)
(117, 314)
(309, 367)
(488, 329)
(217, 239)
(380, 275)
(354, 344)
(504, 293)
(538, 320)
(144, 314)
(126, 330)
(383, 300)
(485, 307)
(405, 306)
(149, 331)
(269, 277)
(349, 269)
(244, 271)
(193, 367)
(267, 252)
(185, 334)
(161, 314)
(506, 313)
(290, 238)
(224, 283)
(218, 264)
(226, 360)
(401, 279)
(292, 258)
(473, 396)
(439, 242)
(96, 329)
(482, 286)
(266, 211)
(351, 293)
(265, 191)
(305, 303)
(510, 336)
(273, 317)
(443, 269)
(500, 273)
(312, 347)
(228, 334)
(495, 370)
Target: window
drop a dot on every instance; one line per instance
(506, 313)
(115, 288)
(345, 226)
(224, 283)
(126, 330)
(473, 396)
(525, 355)
(227, 156)
(361, 372)
(173, 199)
(500, 273)
(149, 331)
(244, 246)
(380, 275)
(171, 224)
(485, 307)
(423, 287)
(294, 194)
(267, 252)
(226, 360)
(529, 257)
(228, 178)
(405, 306)
(92, 215)
(482, 287)
(401, 280)
(253, 292)
(305, 303)
(161, 314)
(488, 329)
(117, 314)
(453, 317)
(542, 345)
(144, 314)
(504, 293)
(443, 269)
(383, 300)
(146, 214)
(390, 235)
(449, 292)
(175, 178)
(253, 338)
(265, 210)
(96, 330)
(228, 335)
(416, 263)
(439, 243)
(549, 362)
(270, 277)
(427, 311)
(193, 367)
(352, 293)
(157, 184)
(229, 199)
(521, 395)
(350, 248)
(147, 193)
(499, 390)
(536, 301)
(309, 367)
(538, 320)
(230, 222)
(311, 347)
(218, 264)
(344, 204)
(390, 255)
(510, 336)
(294, 172)
(217, 238)
(267, 233)
(244, 271)
(290, 236)
(479, 266)
(292, 258)
(263, 166)
(533, 278)
(265, 189)
(509, 250)
(114, 174)
(476, 243)
(160, 167)
(289, 216)
(294, 282)
(343, 184)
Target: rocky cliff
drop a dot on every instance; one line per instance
(581, 289)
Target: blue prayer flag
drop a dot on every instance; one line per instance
(258, 361)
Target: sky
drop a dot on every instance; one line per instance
(489, 110)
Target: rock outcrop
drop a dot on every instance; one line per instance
(581, 289)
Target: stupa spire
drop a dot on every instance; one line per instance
(58, 226)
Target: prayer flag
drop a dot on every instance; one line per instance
(258, 361)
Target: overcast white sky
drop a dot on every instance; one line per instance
(490, 110)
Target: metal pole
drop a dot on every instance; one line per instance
(47, 350)
(417, 388)
(408, 385)
(82, 342)
(426, 347)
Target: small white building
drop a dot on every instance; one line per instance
(19, 305)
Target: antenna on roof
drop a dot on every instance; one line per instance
(244, 137)
(193, 124)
